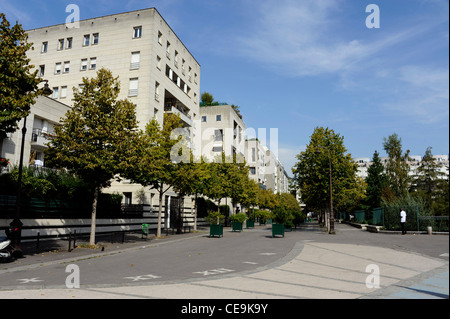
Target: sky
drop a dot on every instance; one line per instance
(294, 65)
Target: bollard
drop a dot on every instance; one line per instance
(37, 241)
(70, 239)
(430, 230)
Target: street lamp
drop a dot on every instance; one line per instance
(331, 215)
(15, 231)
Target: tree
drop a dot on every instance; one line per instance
(430, 184)
(312, 173)
(153, 161)
(190, 178)
(397, 168)
(207, 98)
(376, 181)
(18, 85)
(97, 137)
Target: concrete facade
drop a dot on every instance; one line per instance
(155, 69)
(44, 115)
(223, 130)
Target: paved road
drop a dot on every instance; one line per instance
(307, 263)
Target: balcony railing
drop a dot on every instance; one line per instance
(186, 118)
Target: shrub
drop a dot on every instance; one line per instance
(215, 218)
(241, 217)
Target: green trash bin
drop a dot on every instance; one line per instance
(145, 230)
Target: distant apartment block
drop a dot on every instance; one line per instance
(223, 130)
(415, 161)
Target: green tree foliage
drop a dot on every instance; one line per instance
(207, 98)
(431, 186)
(18, 84)
(397, 168)
(98, 136)
(376, 181)
(312, 173)
(153, 165)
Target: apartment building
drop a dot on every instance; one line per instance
(223, 130)
(414, 163)
(155, 69)
(44, 116)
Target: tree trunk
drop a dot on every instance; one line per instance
(94, 216)
(158, 229)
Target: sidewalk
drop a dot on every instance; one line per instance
(313, 269)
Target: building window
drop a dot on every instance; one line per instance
(66, 67)
(137, 32)
(217, 149)
(44, 47)
(168, 50)
(134, 86)
(135, 60)
(60, 44)
(86, 40)
(218, 118)
(69, 43)
(41, 70)
(157, 91)
(158, 62)
(159, 37)
(84, 63)
(95, 38)
(252, 170)
(218, 135)
(55, 92)
(63, 92)
(93, 63)
(58, 68)
(204, 119)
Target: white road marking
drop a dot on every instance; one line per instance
(143, 277)
(25, 281)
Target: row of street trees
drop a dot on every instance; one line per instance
(386, 185)
(99, 141)
(392, 185)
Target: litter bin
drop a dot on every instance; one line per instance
(145, 230)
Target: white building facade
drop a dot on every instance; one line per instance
(156, 70)
(44, 116)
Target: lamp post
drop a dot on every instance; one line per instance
(15, 231)
(331, 214)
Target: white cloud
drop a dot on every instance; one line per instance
(423, 94)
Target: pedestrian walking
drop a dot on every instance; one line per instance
(403, 221)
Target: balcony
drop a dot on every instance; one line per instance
(39, 139)
(173, 106)
(186, 118)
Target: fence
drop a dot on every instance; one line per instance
(389, 217)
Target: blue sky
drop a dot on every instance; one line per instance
(298, 64)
